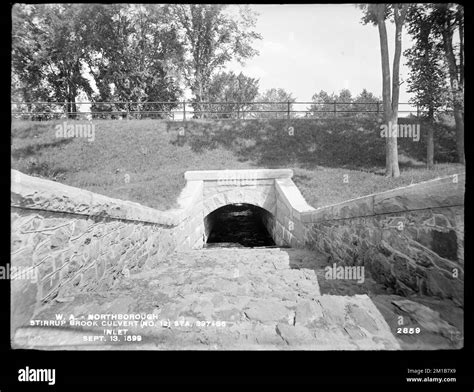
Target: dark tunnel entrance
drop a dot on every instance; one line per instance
(239, 225)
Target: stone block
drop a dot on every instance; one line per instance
(59, 238)
(100, 268)
(308, 311)
(49, 286)
(445, 244)
(295, 335)
(46, 267)
(435, 193)
(89, 277)
(440, 284)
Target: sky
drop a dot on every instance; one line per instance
(307, 48)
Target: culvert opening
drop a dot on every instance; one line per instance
(239, 225)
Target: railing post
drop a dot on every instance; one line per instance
(417, 111)
(184, 110)
(378, 107)
(288, 112)
(335, 109)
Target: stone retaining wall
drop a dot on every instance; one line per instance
(411, 238)
(67, 240)
(74, 241)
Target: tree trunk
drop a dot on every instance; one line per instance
(72, 108)
(457, 87)
(460, 22)
(429, 148)
(430, 139)
(459, 120)
(198, 106)
(71, 102)
(399, 14)
(392, 149)
(391, 152)
(200, 91)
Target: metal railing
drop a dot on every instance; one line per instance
(184, 110)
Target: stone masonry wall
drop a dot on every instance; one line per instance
(411, 239)
(72, 240)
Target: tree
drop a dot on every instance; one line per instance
(449, 18)
(211, 38)
(377, 14)
(344, 103)
(26, 67)
(237, 90)
(129, 52)
(427, 79)
(274, 103)
(347, 106)
(366, 104)
(435, 59)
(48, 53)
(323, 102)
(326, 105)
(134, 57)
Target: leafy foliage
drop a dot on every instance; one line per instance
(212, 36)
(237, 90)
(124, 52)
(346, 105)
(48, 52)
(274, 103)
(427, 79)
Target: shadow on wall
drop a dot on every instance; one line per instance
(351, 142)
(355, 282)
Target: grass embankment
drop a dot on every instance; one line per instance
(142, 160)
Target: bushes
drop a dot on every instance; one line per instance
(444, 141)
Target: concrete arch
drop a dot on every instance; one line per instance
(263, 197)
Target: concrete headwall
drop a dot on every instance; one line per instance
(410, 238)
(271, 190)
(289, 228)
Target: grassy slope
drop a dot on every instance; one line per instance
(148, 152)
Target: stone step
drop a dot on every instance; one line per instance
(328, 323)
(218, 299)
